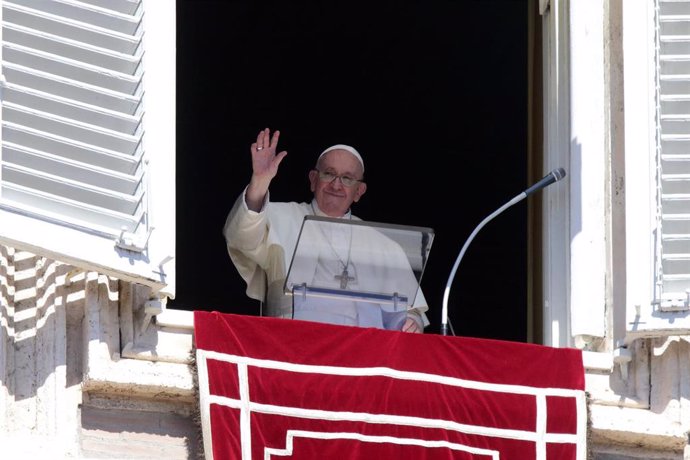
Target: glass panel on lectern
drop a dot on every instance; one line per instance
(354, 272)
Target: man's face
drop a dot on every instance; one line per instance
(333, 197)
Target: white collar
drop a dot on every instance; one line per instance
(317, 212)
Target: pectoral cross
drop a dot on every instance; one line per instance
(344, 278)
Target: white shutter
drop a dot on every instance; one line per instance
(88, 128)
(657, 167)
(673, 159)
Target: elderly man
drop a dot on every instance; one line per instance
(261, 234)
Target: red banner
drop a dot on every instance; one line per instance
(273, 388)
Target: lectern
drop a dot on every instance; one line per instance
(355, 272)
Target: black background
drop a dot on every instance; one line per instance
(432, 93)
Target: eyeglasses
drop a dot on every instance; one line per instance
(347, 181)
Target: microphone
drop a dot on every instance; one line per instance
(554, 176)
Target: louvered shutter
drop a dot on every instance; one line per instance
(88, 134)
(673, 142)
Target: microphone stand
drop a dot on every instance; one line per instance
(553, 176)
(446, 292)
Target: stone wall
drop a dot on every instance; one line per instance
(87, 371)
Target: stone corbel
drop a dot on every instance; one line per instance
(153, 307)
(622, 356)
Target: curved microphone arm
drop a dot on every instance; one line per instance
(446, 293)
(553, 176)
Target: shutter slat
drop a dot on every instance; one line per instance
(71, 49)
(77, 91)
(88, 14)
(74, 70)
(63, 27)
(73, 170)
(83, 132)
(70, 211)
(71, 149)
(72, 190)
(70, 109)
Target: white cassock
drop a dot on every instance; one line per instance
(261, 246)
